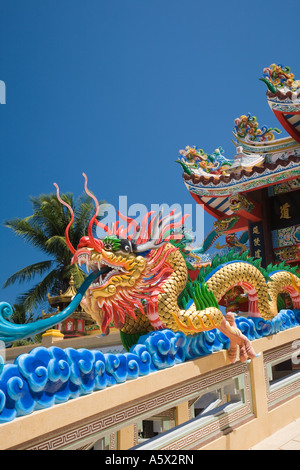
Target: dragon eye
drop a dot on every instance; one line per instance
(107, 246)
(111, 243)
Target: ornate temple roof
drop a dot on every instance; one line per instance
(260, 160)
(283, 97)
(64, 297)
(249, 172)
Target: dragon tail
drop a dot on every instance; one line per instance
(10, 332)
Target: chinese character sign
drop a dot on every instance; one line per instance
(256, 241)
(285, 210)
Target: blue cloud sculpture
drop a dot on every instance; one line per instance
(48, 376)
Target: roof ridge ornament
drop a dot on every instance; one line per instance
(283, 96)
(195, 160)
(277, 76)
(281, 83)
(247, 128)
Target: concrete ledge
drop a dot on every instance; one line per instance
(87, 342)
(49, 422)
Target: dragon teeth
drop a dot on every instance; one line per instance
(84, 258)
(94, 261)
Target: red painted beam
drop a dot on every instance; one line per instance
(287, 126)
(210, 210)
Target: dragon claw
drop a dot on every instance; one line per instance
(240, 346)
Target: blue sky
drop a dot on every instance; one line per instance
(115, 89)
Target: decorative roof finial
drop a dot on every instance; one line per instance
(72, 282)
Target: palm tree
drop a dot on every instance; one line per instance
(45, 230)
(20, 316)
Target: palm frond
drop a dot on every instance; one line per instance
(37, 294)
(20, 315)
(29, 272)
(30, 234)
(50, 214)
(58, 247)
(78, 275)
(45, 229)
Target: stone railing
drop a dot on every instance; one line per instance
(206, 403)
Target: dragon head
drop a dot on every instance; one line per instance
(132, 261)
(123, 266)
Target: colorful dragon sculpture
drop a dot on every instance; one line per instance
(144, 276)
(139, 283)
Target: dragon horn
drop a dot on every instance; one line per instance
(155, 228)
(269, 85)
(158, 229)
(184, 166)
(147, 246)
(97, 244)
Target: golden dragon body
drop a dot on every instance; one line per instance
(145, 274)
